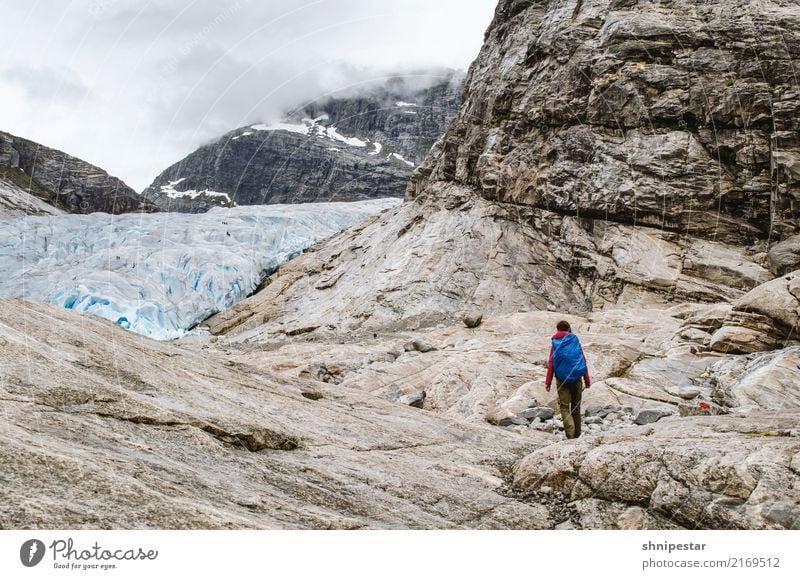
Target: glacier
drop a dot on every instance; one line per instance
(161, 274)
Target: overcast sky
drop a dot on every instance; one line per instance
(134, 85)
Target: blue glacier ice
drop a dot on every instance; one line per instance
(161, 274)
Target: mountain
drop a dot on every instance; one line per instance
(629, 166)
(547, 191)
(609, 165)
(350, 147)
(30, 172)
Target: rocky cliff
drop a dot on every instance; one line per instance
(15, 200)
(345, 148)
(63, 182)
(676, 115)
(606, 152)
(630, 166)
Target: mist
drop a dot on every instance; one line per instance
(134, 86)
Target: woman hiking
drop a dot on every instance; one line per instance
(568, 364)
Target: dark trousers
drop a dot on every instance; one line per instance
(569, 402)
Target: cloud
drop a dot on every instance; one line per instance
(46, 83)
(133, 86)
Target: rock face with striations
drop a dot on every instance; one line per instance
(626, 165)
(680, 115)
(141, 434)
(606, 152)
(63, 182)
(340, 149)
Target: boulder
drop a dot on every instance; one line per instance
(767, 381)
(784, 257)
(418, 345)
(473, 318)
(415, 399)
(738, 340)
(650, 416)
(706, 472)
(600, 411)
(540, 412)
(778, 300)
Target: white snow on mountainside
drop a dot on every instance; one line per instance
(313, 128)
(169, 190)
(160, 274)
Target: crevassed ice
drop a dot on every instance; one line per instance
(161, 274)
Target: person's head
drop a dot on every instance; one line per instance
(563, 326)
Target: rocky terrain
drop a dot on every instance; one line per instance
(533, 198)
(15, 200)
(37, 180)
(627, 165)
(344, 148)
(566, 187)
(141, 434)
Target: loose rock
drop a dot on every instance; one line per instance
(418, 345)
(539, 412)
(473, 318)
(650, 416)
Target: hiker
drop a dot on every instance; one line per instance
(568, 364)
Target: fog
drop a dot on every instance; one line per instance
(133, 86)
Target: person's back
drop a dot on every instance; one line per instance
(568, 363)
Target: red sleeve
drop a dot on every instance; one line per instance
(549, 378)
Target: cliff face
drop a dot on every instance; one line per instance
(341, 149)
(15, 200)
(62, 181)
(605, 153)
(681, 115)
(625, 165)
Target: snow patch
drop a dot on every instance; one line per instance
(333, 133)
(170, 191)
(313, 127)
(292, 128)
(401, 159)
